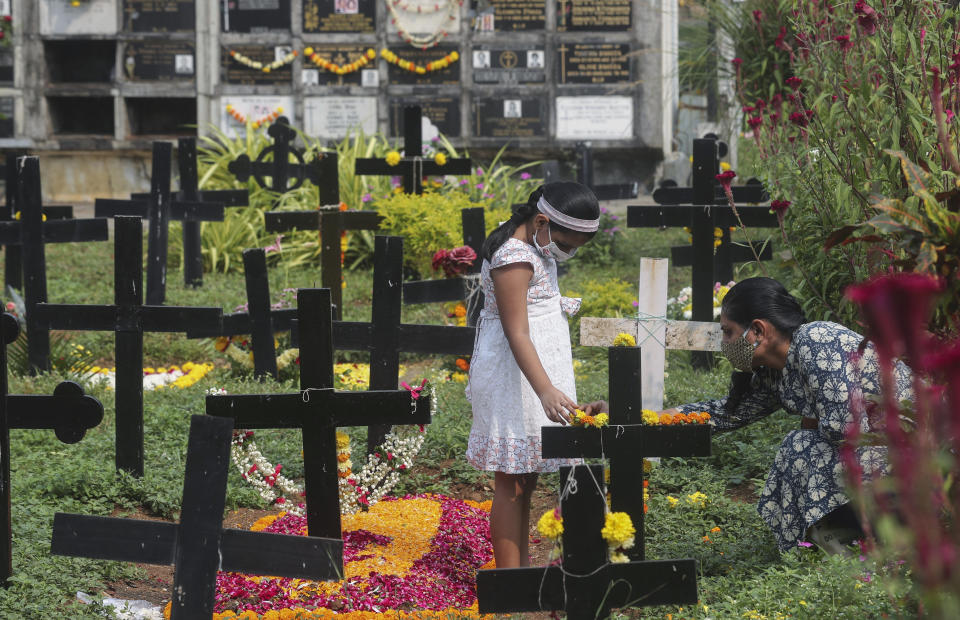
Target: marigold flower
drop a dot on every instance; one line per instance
(618, 530)
(463, 364)
(550, 524)
(649, 417)
(460, 311)
(666, 419)
(672, 501)
(393, 158)
(440, 159)
(623, 339)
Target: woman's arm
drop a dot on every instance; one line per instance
(510, 284)
(751, 398)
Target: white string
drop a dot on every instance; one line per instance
(474, 291)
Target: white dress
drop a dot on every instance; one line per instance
(507, 414)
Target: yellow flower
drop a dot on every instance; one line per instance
(601, 419)
(724, 166)
(550, 524)
(459, 377)
(673, 501)
(647, 466)
(618, 558)
(618, 530)
(343, 441)
(649, 416)
(393, 158)
(440, 159)
(271, 614)
(697, 499)
(624, 339)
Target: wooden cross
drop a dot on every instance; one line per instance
(199, 545)
(318, 410)
(412, 166)
(260, 321)
(626, 442)
(704, 207)
(280, 170)
(69, 413)
(455, 289)
(129, 318)
(330, 225)
(31, 233)
(585, 584)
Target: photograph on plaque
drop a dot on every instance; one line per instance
(89, 17)
(510, 66)
(6, 117)
(335, 117)
(234, 72)
(339, 16)
(593, 63)
(159, 15)
(340, 54)
(509, 116)
(158, 59)
(509, 15)
(594, 117)
(254, 15)
(441, 115)
(448, 75)
(252, 109)
(581, 15)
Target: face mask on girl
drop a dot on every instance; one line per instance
(740, 352)
(551, 250)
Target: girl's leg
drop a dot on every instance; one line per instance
(529, 484)
(510, 519)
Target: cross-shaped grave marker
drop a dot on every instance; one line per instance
(31, 233)
(199, 545)
(260, 321)
(412, 166)
(626, 442)
(704, 207)
(280, 170)
(68, 412)
(128, 318)
(456, 289)
(585, 584)
(318, 410)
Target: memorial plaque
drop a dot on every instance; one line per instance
(593, 63)
(594, 117)
(6, 117)
(508, 66)
(449, 75)
(159, 59)
(509, 15)
(6, 64)
(252, 107)
(339, 16)
(159, 15)
(443, 114)
(235, 72)
(254, 15)
(509, 116)
(89, 17)
(580, 15)
(334, 117)
(340, 54)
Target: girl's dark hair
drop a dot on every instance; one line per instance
(567, 197)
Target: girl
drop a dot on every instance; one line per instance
(521, 372)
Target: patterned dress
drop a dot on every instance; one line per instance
(507, 414)
(823, 374)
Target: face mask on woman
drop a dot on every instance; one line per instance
(551, 250)
(739, 352)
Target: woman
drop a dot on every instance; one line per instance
(815, 370)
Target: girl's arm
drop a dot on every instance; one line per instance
(510, 284)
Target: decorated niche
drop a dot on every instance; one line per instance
(324, 16)
(423, 23)
(258, 110)
(508, 15)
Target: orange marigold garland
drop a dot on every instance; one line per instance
(266, 68)
(242, 118)
(326, 65)
(407, 65)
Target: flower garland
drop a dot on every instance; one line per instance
(430, 40)
(241, 118)
(266, 68)
(580, 418)
(326, 65)
(413, 67)
(617, 530)
(652, 418)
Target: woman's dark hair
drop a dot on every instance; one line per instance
(567, 197)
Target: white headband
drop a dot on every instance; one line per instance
(566, 221)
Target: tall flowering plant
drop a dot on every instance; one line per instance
(914, 509)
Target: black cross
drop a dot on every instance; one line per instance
(318, 410)
(281, 171)
(259, 320)
(585, 585)
(31, 233)
(199, 545)
(69, 413)
(625, 441)
(704, 207)
(412, 167)
(455, 289)
(330, 224)
(129, 318)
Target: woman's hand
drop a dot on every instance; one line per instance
(557, 405)
(595, 407)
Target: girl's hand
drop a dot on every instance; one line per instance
(557, 405)
(595, 407)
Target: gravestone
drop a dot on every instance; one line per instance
(31, 234)
(335, 117)
(317, 409)
(159, 60)
(342, 55)
(441, 115)
(255, 16)
(7, 111)
(448, 76)
(510, 116)
(585, 584)
(594, 63)
(412, 166)
(510, 15)
(91, 17)
(594, 15)
(594, 117)
(128, 318)
(329, 16)
(199, 545)
(509, 66)
(68, 413)
(285, 176)
(258, 109)
(159, 15)
(235, 73)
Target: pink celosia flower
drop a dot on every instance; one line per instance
(867, 18)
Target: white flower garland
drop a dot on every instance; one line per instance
(430, 40)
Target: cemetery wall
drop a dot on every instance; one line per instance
(539, 74)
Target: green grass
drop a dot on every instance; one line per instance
(742, 574)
